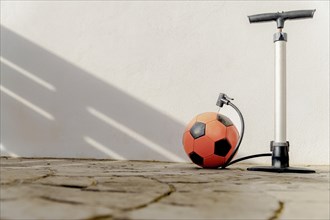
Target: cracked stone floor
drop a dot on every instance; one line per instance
(108, 189)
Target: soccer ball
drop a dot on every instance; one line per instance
(210, 139)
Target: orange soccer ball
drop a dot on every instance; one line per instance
(210, 139)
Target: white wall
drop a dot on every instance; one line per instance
(121, 79)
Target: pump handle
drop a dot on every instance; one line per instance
(281, 17)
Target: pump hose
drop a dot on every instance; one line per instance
(229, 162)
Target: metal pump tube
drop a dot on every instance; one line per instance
(280, 87)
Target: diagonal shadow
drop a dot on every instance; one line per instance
(27, 134)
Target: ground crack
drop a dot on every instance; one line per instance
(278, 212)
(101, 217)
(171, 189)
(64, 185)
(108, 190)
(29, 180)
(60, 200)
(187, 182)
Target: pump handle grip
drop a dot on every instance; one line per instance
(281, 17)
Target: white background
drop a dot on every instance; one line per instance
(118, 80)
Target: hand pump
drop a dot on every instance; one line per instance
(280, 146)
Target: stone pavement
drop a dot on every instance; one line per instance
(107, 189)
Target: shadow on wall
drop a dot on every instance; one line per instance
(51, 107)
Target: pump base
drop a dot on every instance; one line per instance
(280, 160)
(281, 169)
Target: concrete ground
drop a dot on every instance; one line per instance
(107, 189)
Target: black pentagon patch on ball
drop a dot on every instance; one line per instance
(222, 147)
(198, 130)
(196, 158)
(224, 120)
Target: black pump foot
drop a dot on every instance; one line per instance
(281, 169)
(280, 161)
